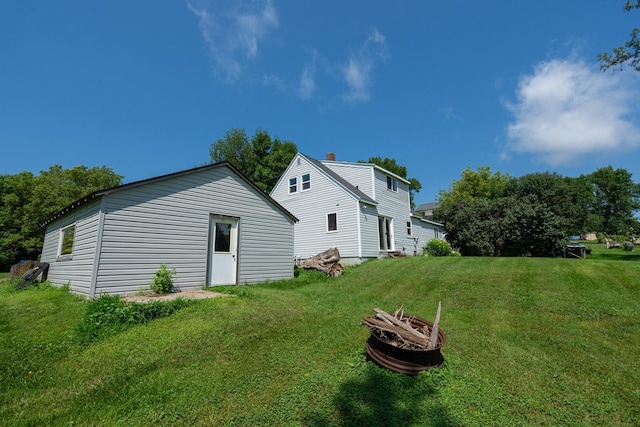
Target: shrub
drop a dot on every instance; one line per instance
(163, 280)
(110, 314)
(438, 247)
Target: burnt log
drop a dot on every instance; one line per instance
(327, 262)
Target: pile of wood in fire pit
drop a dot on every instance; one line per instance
(399, 330)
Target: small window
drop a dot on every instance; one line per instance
(293, 185)
(332, 222)
(222, 238)
(67, 236)
(392, 184)
(409, 231)
(306, 182)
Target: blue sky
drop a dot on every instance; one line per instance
(145, 87)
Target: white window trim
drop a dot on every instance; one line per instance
(337, 228)
(393, 181)
(409, 228)
(293, 185)
(302, 182)
(59, 255)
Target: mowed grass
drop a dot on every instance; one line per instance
(530, 341)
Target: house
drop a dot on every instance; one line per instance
(360, 208)
(211, 224)
(426, 209)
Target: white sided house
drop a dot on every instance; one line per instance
(360, 208)
(211, 224)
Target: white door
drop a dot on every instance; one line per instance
(223, 252)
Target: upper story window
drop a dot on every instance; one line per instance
(306, 182)
(392, 184)
(293, 185)
(65, 245)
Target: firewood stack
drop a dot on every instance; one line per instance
(397, 329)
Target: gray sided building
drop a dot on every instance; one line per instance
(211, 224)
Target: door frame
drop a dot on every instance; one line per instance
(235, 243)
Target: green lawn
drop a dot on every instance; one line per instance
(530, 341)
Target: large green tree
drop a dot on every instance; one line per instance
(503, 226)
(262, 159)
(392, 166)
(479, 184)
(615, 200)
(494, 214)
(629, 52)
(27, 200)
(491, 214)
(567, 198)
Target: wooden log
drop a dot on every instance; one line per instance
(397, 322)
(327, 262)
(401, 333)
(433, 338)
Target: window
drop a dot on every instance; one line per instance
(409, 231)
(392, 184)
(222, 237)
(65, 247)
(293, 185)
(306, 182)
(332, 222)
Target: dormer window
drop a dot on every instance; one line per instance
(392, 184)
(293, 185)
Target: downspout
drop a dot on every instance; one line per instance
(98, 251)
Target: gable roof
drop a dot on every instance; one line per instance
(98, 194)
(423, 219)
(371, 165)
(355, 191)
(427, 206)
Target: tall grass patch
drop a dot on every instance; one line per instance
(110, 314)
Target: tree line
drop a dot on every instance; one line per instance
(494, 214)
(484, 213)
(27, 200)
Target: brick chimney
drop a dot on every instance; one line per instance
(331, 156)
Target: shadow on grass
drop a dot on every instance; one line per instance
(384, 398)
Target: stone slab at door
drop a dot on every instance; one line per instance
(223, 251)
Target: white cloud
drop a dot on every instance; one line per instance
(307, 85)
(234, 31)
(359, 67)
(449, 114)
(274, 81)
(567, 110)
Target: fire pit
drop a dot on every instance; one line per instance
(387, 347)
